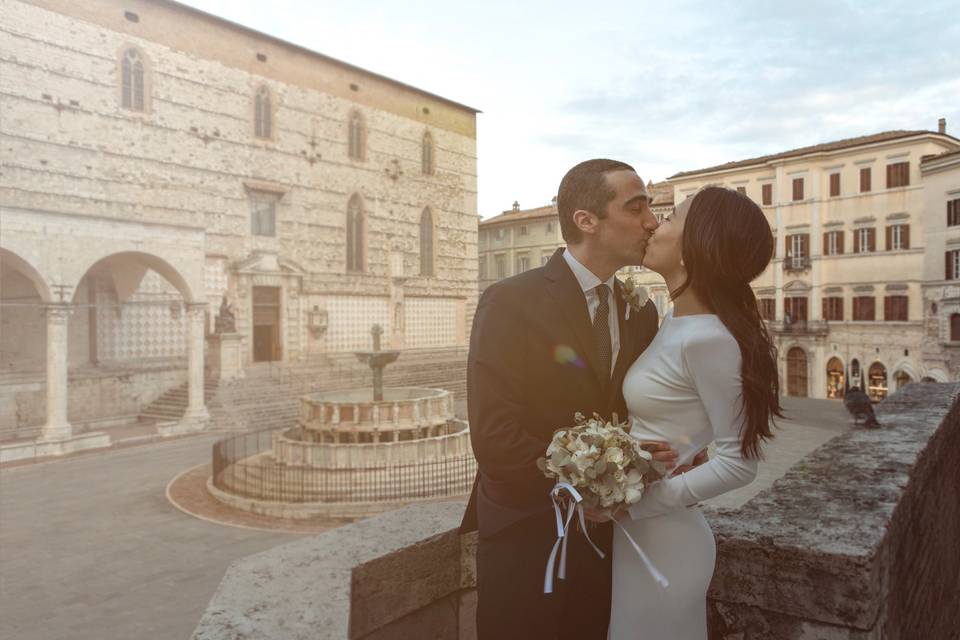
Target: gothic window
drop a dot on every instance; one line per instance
(426, 155)
(132, 91)
(355, 234)
(262, 114)
(426, 243)
(357, 137)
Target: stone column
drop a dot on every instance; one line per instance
(196, 407)
(57, 427)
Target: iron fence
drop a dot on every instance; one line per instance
(243, 465)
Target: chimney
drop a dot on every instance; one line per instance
(516, 206)
(942, 125)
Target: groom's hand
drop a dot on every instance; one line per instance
(662, 452)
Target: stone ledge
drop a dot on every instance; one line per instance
(303, 590)
(42, 448)
(807, 547)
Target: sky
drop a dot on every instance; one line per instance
(667, 87)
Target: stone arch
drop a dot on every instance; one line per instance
(935, 375)
(146, 261)
(28, 271)
(797, 372)
(904, 374)
(24, 294)
(836, 378)
(878, 381)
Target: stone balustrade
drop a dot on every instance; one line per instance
(856, 541)
(405, 413)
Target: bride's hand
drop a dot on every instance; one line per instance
(662, 452)
(698, 460)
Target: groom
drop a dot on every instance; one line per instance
(546, 344)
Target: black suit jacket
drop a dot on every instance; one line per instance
(532, 366)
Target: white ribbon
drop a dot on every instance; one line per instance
(563, 527)
(659, 577)
(562, 530)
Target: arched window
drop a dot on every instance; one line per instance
(426, 155)
(132, 91)
(355, 234)
(955, 327)
(262, 114)
(426, 243)
(357, 141)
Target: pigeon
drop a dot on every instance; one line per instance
(858, 404)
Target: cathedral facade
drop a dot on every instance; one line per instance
(162, 164)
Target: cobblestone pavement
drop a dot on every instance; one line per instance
(90, 548)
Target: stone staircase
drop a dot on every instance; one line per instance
(171, 406)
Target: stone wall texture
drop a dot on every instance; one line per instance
(191, 160)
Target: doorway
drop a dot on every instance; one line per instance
(797, 373)
(266, 324)
(835, 380)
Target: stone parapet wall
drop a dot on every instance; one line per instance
(856, 541)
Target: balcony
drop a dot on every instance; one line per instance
(792, 264)
(815, 328)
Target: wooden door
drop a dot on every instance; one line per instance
(797, 373)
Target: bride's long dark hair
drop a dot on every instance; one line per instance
(726, 244)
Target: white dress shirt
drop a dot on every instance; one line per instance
(588, 283)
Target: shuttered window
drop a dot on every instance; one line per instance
(895, 308)
(898, 174)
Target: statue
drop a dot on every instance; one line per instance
(226, 321)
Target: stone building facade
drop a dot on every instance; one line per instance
(516, 240)
(158, 159)
(860, 289)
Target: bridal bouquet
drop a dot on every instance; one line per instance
(606, 466)
(599, 465)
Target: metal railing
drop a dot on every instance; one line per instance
(244, 466)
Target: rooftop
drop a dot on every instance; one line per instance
(837, 145)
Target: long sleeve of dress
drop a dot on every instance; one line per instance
(712, 360)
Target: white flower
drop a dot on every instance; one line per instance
(635, 296)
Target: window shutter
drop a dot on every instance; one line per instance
(825, 247)
(948, 275)
(864, 179)
(889, 238)
(872, 240)
(786, 248)
(805, 244)
(840, 235)
(887, 308)
(856, 240)
(905, 236)
(825, 313)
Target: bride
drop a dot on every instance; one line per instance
(710, 375)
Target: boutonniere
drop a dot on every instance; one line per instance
(634, 296)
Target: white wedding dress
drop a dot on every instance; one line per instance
(685, 389)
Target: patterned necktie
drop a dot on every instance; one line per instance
(601, 330)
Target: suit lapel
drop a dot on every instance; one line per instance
(565, 289)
